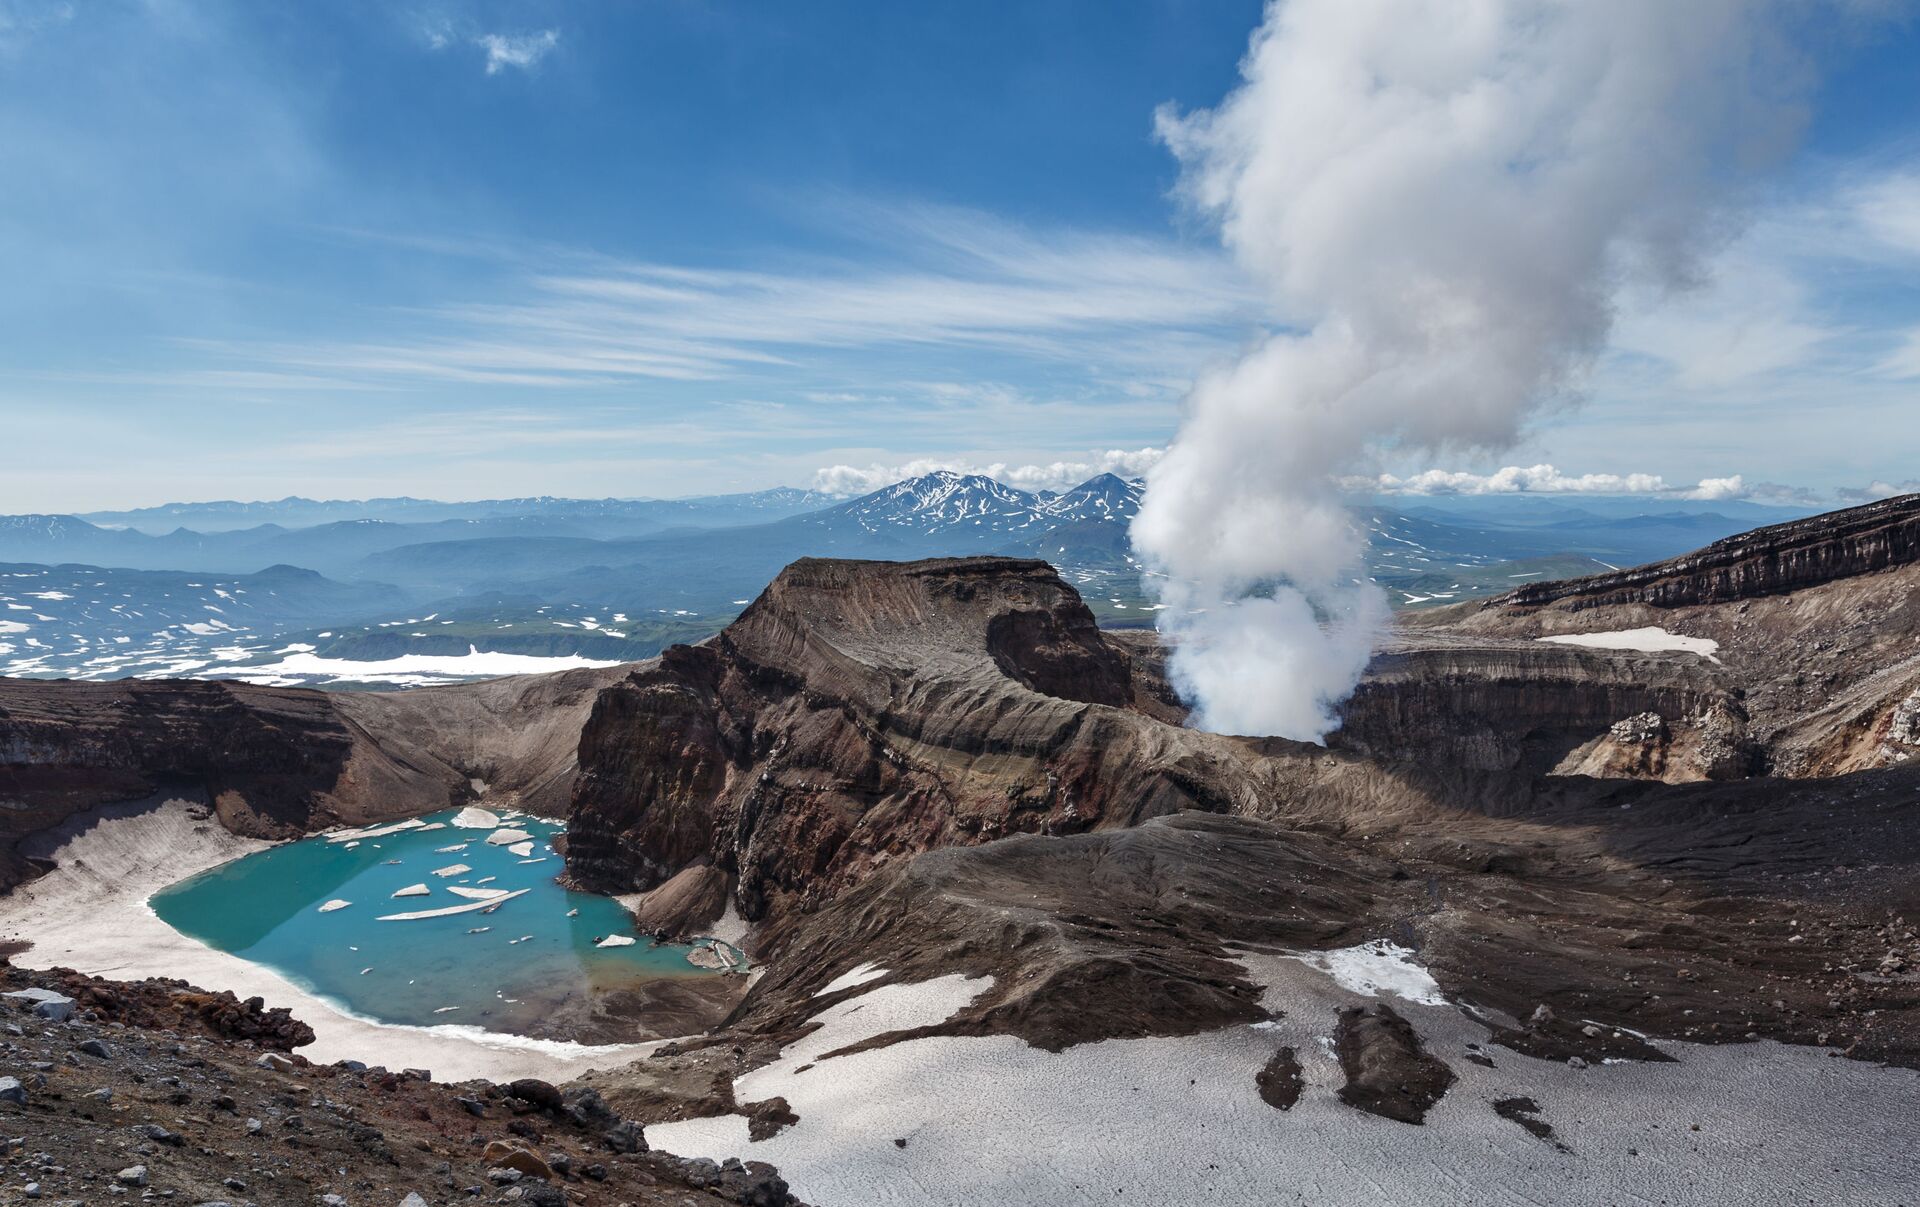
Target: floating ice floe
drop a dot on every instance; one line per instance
(447, 911)
(477, 894)
(616, 941)
(501, 838)
(412, 823)
(485, 879)
(542, 859)
(455, 849)
(522, 849)
(334, 904)
(573, 913)
(452, 869)
(475, 818)
(414, 890)
(445, 1009)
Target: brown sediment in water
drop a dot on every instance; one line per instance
(614, 1007)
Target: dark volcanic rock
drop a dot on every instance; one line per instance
(1279, 1080)
(768, 1118)
(1526, 1113)
(1512, 707)
(174, 1005)
(1388, 1072)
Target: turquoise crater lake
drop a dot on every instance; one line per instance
(521, 958)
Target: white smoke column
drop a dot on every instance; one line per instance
(1444, 197)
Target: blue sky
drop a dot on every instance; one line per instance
(658, 247)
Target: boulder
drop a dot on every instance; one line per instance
(541, 1093)
(54, 1007)
(507, 1154)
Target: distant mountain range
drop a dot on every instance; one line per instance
(296, 512)
(215, 583)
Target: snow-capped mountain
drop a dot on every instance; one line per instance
(936, 502)
(1107, 498)
(978, 509)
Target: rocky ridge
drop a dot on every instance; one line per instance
(1815, 626)
(281, 762)
(111, 1093)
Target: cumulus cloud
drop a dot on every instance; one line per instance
(1547, 480)
(517, 50)
(1446, 201)
(1513, 479)
(1051, 475)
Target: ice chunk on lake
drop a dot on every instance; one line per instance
(334, 904)
(474, 818)
(476, 894)
(452, 869)
(616, 941)
(522, 849)
(412, 823)
(453, 909)
(414, 890)
(501, 838)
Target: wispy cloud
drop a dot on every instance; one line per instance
(517, 50)
(962, 284)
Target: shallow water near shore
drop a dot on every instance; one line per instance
(523, 965)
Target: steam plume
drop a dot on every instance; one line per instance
(1444, 197)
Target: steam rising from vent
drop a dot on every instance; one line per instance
(1444, 196)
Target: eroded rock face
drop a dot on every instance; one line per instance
(1813, 626)
(859, 712)
(279, 762)
(1513, 707)
(1767, 561)
(1903, 727)
(263, 757)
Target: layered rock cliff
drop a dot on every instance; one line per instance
(1814, 628)
(858, 712)
(1766, 561)
(278, 762)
